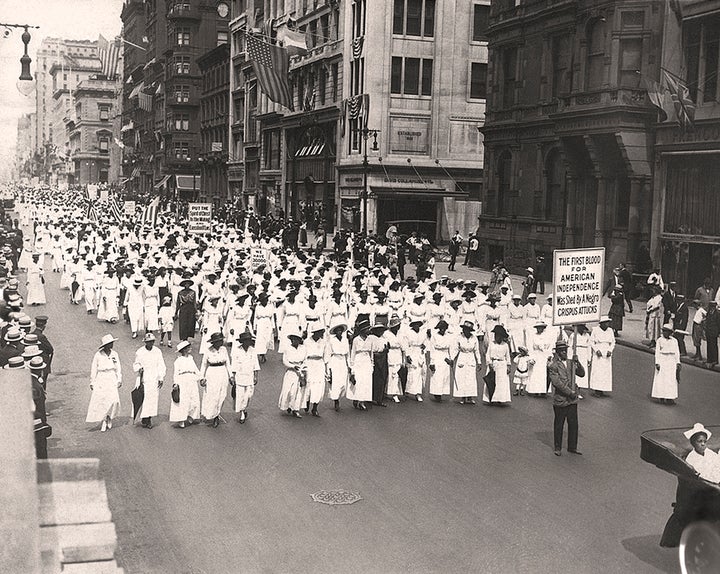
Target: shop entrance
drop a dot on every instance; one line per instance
(408, 215)
(700, 258)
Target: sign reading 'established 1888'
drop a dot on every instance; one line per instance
(199, 217)
(578, 285)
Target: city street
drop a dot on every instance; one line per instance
(445, 487)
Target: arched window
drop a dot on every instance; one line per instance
(504, 177)
(596, 35)
(554, 182)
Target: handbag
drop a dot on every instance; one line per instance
(175, 394)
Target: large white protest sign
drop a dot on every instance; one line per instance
(578, 285)
(199, 217)
(129, 208)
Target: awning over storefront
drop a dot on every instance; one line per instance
(187, 182)
(162, 183)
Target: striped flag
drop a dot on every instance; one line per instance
(149, 214)
(145, 101)
(271, 64)
(684, 106)
(109, 57)
(91, 213)
(116, 210)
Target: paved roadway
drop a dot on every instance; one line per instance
(445, 487)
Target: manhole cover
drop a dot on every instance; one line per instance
(333, 497)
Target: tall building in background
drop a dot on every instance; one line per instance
(360, 78)
(161, 101)
(25, 147)
(569, 128)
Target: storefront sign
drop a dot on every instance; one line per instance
(129, 208)
(409, 135)
(199, 217)
(578, 280)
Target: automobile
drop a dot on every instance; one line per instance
(694, 525)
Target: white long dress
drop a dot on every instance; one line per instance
(215, 369)
(540, 347)
(336, 356)
(441, 347)
(108, 308)
(361, 365)
(153, 366)
(498, 359)
(134, 303)
(151, 306)
(315, 363)
(35, 285)
(467, 359)
(582, 349)
(244, 365)
(291, 393)
(105, 376)
(417, 367)
(667, 355)
(395, 361)
(186, 376)
(601, 375)
(264, 324)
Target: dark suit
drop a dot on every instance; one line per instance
(565, 399)
(8, 351)
(47, 351)
(681, 322)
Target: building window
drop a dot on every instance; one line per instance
(414, 18)
(222, 38)
(478, 81)
(182, 150)
(504, 179)
(630, 63)
(182, 36)
(561, 74)
(481, 12)
(181, 94)
(411, 76)
(182, 122)
(509, 67)
(334, 70)
(104, 113)
(182, 64)
(271, 149)
(596, 55)
(103, 144)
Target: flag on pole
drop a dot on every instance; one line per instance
(657, 94)
(91, 212)
(145, 101)
(116, 210)
(294, 42)
(149, 214)
(271, 64)
(684, 106)
(109, 57)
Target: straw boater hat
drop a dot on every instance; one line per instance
(106, 340)
(561, 345)
(15, 363)
(697, 428)
(182, 345)
(317, 329)
(338, 326)
(37, 363)
(13, 334)
(31, 351)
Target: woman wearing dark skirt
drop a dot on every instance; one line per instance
(186, 310)
(617, 309)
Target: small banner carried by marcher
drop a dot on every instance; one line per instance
(199, 217)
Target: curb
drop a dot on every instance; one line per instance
(685, 360)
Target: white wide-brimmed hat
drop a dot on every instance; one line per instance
(182, 345)
(605, 319)
(106, 340)
(697, 428)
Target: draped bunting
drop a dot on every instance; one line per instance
(354, 108)
(357, 47)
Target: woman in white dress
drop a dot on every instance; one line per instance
(361, 366)
(316, 369)
(667, 367)
(264, 326)
(602, 344)
(109, 293)
(441, 348)
(540, 345)
(395, 358)
(467, 360)
(291, 393)
(185, 377)
(35, 282)
(290, 321)
(105, 380)
(498, 360)
(215, 375)
(151, 305)
(415, 340)
(336, 357)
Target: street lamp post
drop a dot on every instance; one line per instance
(367, 134)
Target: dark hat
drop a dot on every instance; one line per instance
(363, 325)
(215, 337)
(500, 330)
(295, 336)
(246, 336)
(468, 325)
(186, 283)
(442, 324)
(561, 345)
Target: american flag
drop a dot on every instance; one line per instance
(91, 213)
(271, 64)
(149, 214)
(116, 210)
(145, 101)
(109, 57)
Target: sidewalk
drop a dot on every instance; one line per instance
(632, 335)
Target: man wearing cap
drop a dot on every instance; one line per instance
(565, 397)
(41, 428)
(150, 368)
(680, 322)
(667, 367)
(705, 461)
(602, 346)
